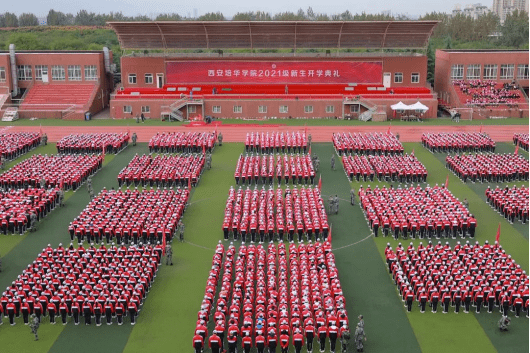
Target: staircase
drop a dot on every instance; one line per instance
(367, 115)
(10, 114)
(173, 110)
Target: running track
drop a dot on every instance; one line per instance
(237, 133)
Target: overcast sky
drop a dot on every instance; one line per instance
(227, 7)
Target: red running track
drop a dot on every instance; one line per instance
(237, 133)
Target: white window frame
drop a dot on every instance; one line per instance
(354, 108)
(39, 71)
(308, 109)
(24, 72)
(132, 79)
(148, 78)
(192, 109)
(216, 109)
(457, 72)
(398, 77)
(3, 76)
(58, 73)
(146, 109)
(507, 71)
(127, 109)
(473, 71)
(284, 109)
(238, 109)
(91, 73)
(74, 73)
(262, 109)
(415, 77)
(522, 72)
(330, 109)
(490, 72)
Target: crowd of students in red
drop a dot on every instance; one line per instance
(265, 213)
(191, 142)
(270, 142)
(298, 168)
(70, 283)
(66, 171)
(403, 168)
(272, 297)
(93, 143)
(483, 276)
(15, 144)
(416, 212)
(521, 140)
(162, 171)
(488, 92)
(512, 203)
(457, 142)
(496, 168)
(131, 216)
(16, 207)
(367, 143)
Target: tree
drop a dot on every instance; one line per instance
(244, 16)
(169, 17)
(212, 16)
(263, 16)
(311, 14)
(85, 18)
(430, 62)
(57, 18)
(515, 30)
(25, 41)
(10, 20)
(28, 20)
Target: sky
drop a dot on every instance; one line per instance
(227, 7)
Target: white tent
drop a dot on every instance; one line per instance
(419, 107)
(400, 106)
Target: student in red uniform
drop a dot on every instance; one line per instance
(52, 310)
(247, 343)
(333, 333)
(214, 342)
(232, 342)
(272, 340)
(198, 343)
(298, 341)
(260, 343)
(322, 334)
(309, 335)
(284, 342)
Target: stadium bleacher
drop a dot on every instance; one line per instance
(485, 93)
(57, 96)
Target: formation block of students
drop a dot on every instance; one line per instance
(270, 298)
(92, 284)
(367, 143)
(521, 140)
(512, 203)
(276, 142)
(466, 276)
(191, 142)
(131, 216)
(267, 168)
(402, 168)
(62, 170)
(458, 142)
(15, 144)
(162, 170)
(482, 167)
(93, 143)
(266, 213)
(19, 207)
(416, 212)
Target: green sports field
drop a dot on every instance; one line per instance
(168, 317)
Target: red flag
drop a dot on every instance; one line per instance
(310, 150)
(203, 148)
(516, 149)
(189, 182)
(388, 129)
(320, 184)
(61, 185)
(128, 130)
(412, 154)
(329, 234)
(481, 128)
(305, 130)
(164, 244)
(447, 181)
(40, 129)
(498, 233)
(103, 149)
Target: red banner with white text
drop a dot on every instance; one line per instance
(274, 72)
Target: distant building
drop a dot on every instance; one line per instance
(504, 7)
(472, 10)
(43, 21)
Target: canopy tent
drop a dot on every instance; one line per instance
(400, 106)
(419, 107)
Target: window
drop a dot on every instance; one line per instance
(238, 109)
(284, 109)
(39, 71)
(473, 72)
(127, 108)
(58, 73)
(308, 109)
(398, 77)
(457, 72)
(216, 109)
(146, 109)
(330, 109)
(148, 79)
(132, 79)
(507, 71)
(74, 73)
(262, 109)
(24, 72)
(522, 72)
(490, 72)
(91, 73)
(415, 77)
(192, 109)
(354, 108)
(2, 74)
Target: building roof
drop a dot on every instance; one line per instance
(273, 34)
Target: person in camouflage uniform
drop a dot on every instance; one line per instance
(34, 326)
(134, 138)
(44, 139)
(504, 322)
(43, 183)
(32, 222)
(358, 337)
(336, 203)
(209, 160)
(220, 138)
(309, 139)
(345, 339)
(352, 197)
(169, 255)
(332, 161)
(181, 230)
(61, 197)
